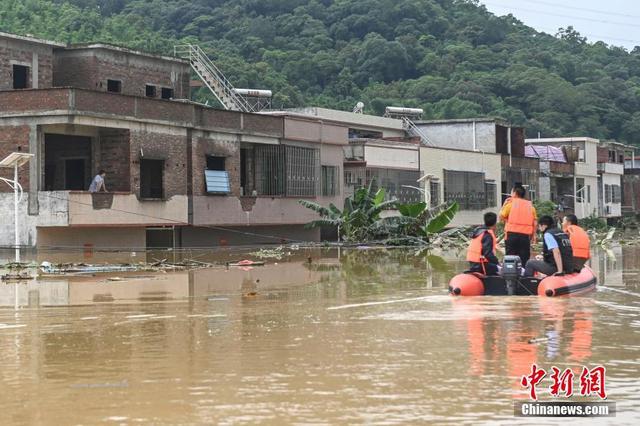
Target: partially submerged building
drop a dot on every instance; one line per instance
(572, 177)
(179, 174)
(611, 169)
(490, 136)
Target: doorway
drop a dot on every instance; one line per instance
(74, 176)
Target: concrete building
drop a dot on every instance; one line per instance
(491, 136)
(576, 179)
(468, 177)
(611, 167)
(179, 174)
(393, 165)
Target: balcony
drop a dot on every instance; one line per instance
(613, 168)
(261, 210)
(561, 169)
(78, 208)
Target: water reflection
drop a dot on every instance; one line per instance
(260, 345)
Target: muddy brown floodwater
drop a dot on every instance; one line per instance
(295, 342)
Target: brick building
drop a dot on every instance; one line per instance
(179, 174)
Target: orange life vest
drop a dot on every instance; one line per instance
(474, 253)
(579, 241)
(520, 218)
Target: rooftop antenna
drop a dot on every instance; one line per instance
(359, 108)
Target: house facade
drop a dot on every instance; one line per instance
(573, 174)
(179, 174)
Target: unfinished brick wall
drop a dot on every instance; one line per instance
(115, 159)
(90, 68)
(157, 146)
(12, 139)
(25, 53)
(230, 149)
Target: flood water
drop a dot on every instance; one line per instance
(350, 337)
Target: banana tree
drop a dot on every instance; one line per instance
(355, 222)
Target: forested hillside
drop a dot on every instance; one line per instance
(451, 57)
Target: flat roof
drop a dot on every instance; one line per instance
(116, 48)
(346, 117)
(561, 140)
(31, 39)
(496, 120)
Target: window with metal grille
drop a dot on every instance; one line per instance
(491, 191)
(270, 169)
(399, 184)
(330, 181)
(607, 194)
(287, 170)
(465, 188)
(434, 190)
(616, 193)
(303, 166)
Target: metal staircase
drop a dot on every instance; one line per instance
(212, 77)
(412, 129)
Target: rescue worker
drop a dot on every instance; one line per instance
(580, 243)
(481, 253)
(557, 256)
(520, 217)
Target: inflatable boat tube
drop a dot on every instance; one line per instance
(475, 284)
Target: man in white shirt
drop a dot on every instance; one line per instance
(97, 184)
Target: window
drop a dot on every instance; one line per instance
(167, 93)
(612, 156)
(215, 163)
(330, 181)
(466, 188)
(20, 77)
(151, 179)
(491, 189)
(302, 171)
(621, 158)
(580, 189)
(607, 194)
(434, 190)
(150, 91)
(114, 86)
(217, 181)
(616, 195)
(581, 157)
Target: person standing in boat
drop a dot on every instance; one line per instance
(481, 253)
(520, 217)
(579, 238)
(557, 255)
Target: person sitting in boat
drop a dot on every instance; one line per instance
(579, 238)
(557, 255)
(481, 253)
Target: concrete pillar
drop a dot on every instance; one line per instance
(34, 169)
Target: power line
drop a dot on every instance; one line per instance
(601, 12)
(602, 21)
(177, 222)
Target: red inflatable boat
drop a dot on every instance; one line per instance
(474, 284)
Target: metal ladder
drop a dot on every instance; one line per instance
(212, 77)
(410, 127)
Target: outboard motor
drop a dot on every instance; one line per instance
(511, 273)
